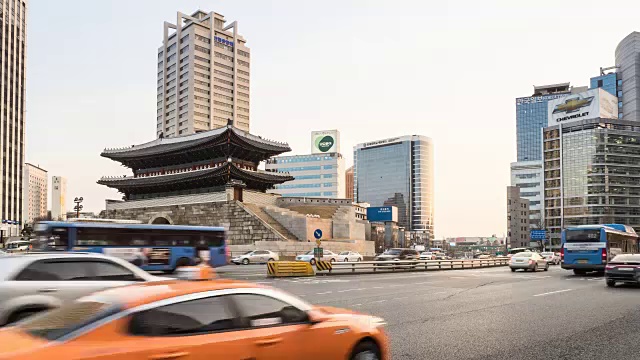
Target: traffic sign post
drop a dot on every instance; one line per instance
(318, 252)
(539, 235)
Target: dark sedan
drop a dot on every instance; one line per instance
(624, 268)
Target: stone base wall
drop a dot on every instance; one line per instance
(290, 249)
(242, 227)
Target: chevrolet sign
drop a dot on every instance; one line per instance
(591, 104)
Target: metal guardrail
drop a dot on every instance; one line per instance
(411, 265)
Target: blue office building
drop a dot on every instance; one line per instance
(610, 83)
(607, 82)
(398, 172)
(531, 118)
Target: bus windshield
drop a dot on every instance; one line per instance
(586, 235)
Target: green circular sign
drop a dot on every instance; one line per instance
(324, 143)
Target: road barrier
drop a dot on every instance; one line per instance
(323, 265)
(289, 268)
(409, 265)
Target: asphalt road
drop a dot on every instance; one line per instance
(482, 313)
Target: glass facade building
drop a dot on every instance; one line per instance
(611, 84)
(628, 63)
(591, 174)
(398, 172)
(531, 118)
(608, 83)
(315, 175)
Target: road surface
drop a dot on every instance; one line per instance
(487, 313)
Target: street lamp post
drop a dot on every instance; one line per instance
(78, 206)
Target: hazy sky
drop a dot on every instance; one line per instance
(449, 70)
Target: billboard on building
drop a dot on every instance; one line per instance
(382, 213)
(591, 104)
(327, 141)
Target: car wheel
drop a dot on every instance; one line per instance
(611, 283)
(183, 262)
(366, 350)
(245, 261)
(346, 259)
(546, 268)
(332, 260)
(271, 259)
(359, 259)
(312, 261)
(535, 268)
(513, 270)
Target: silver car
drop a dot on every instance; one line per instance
(33, 282)
(528, 261)
(255, 257)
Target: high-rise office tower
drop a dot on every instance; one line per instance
(398, 172)
(13, 21)
(58, 198)
(35, 193)
(628, 63)
(203, 76)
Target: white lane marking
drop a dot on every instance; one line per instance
(396, 285)
(422, 283)
(324, 293)
(357, 305)
(342, 291)
(457, 277)
(379, 301)
(440, 292)
(378, 287)
(402, 297)
(553, 292)
(302, 295)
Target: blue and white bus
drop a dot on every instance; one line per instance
(588, 248)
(152, 247)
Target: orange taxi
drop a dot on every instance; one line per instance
(183, 320)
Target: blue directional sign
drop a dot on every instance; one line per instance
(538, 234)
(317, 234)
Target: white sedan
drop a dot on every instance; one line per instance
(328, 255)
(347, 256)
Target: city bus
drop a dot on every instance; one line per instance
(588, 248)
(152, 247)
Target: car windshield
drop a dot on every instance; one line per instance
(344, 253)
(309, 253)
(248, 252)
(54, 324)
(393, 252)
(546, 254)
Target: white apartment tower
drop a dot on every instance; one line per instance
(58, 198)
(203, 76)
(35, 193)
(13, 38)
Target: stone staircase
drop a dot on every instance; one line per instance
(259, 212)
